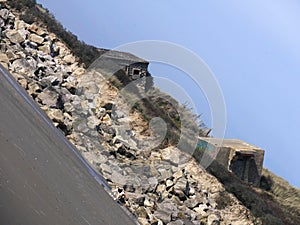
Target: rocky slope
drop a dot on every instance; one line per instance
(162, 186)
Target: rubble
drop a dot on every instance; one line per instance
(164, 186)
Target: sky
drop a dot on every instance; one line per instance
(252, 48)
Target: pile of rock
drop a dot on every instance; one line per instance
(164, 186)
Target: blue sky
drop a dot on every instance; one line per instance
(252, 47)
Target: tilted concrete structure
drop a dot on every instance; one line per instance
(110, 62)
(239, 157)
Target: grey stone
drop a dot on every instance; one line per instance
(213, 219)
(70, 59)
(164, 174)
(4, 58)
(101, 112)
(171, 154)
(118, 178)
(33, 88)
(68, 107)
(21, 65)
(56, 115)
(48, 98)
(166, 211)
(2, 23)
(181, 184)
(153, 182)
(191, 203)
(177, 222)
(11, 55)
(92, 122)
(36, 38)
(4, 13)
(14, 36)
(36, 29)
(23, 32)
(105, 168)
(169, 183)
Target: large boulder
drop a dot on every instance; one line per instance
(36, 38)
(14, 36)
(48, 98)
(166, 211)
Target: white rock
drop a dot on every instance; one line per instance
(4, 13)
(35, 38)
(4, 58)
(70, 59)
(14, 36)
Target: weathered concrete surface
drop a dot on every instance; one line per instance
(42, 181)
(243, 159)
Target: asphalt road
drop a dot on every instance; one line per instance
(43, 179)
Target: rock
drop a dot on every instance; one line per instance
(170, 154)
(4, 13)
(191, 203)
(141, 212)
(14, 36)
(36, 29)
(201, 209)
(23, 83)
(166, 211)
(36, 38)
(11, 55)
(33, 88)
(69, 59)
(44, 48)
(2, 23)
(92, 122)
(101, 112)
(164, 173)
(48, 98)
(213, 219)
(118, 178)
(56, 115)
(153, 182)
(148, 203)
(78, 72)
(21, 66)
(169, 183)
(162, 187)
(105, 168)
(24, 33)
(106, 120)
(68, 107)
(181, 184)
(177, 222)
(49, 80)
(20, 24)
(4, 58)
(143, 221)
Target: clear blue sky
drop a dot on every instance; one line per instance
(252, 47)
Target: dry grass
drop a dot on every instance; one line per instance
(278, 205)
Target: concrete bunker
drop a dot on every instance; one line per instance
(110, 62)
(240, 158)
(124, 66)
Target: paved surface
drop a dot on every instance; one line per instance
(43, 180)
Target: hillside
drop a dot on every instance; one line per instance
(159, 186)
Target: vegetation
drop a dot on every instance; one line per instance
(275, 202)
(283, 192)
(159, 104)
(165, 107)
(273, 206)
(32, 12)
